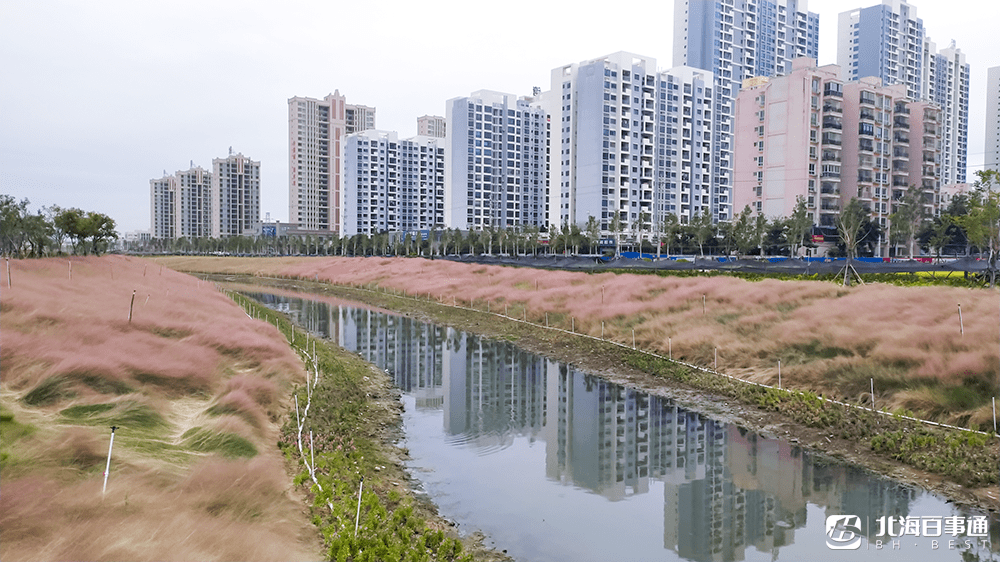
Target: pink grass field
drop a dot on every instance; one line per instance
(187, 348)
(874, 331)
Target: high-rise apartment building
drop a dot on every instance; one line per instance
(315, 133)
(993, 119)
(736, 40)
(947, 78)
(235, 196)
(810, 135)
(194, 203)
(890, 42)
(885, 41)
(392, 185)
(431, 126)
(496, 174)
(630, 142)
(163, 207)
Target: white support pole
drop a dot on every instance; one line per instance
(994, 414)
(357, 518)
(670, 348)
(779, 373)
(873, 394)
(107, 467)
(961, 324)
(573, 321)
(602, 330)
(633, 338)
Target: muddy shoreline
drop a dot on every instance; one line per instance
(603, 359)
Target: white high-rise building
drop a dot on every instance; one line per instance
(885, 41)
(993, 119)
(235, 196)
(392, 185)
(496, 174)
(315, 133)
(193, 217)
(890, 42)
(163, 207)
(736, 40)
(630, 142)
(948, 88)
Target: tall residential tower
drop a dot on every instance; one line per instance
(496, 172)
(888, 41)
(316, 129)
(235, 196)
(630, 144)
(993, 119)
(736, 40)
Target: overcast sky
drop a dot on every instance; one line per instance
(98, 97)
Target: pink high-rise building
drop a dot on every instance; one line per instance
(810, 135)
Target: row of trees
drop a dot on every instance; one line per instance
(24, 234)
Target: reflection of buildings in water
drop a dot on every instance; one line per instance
(494, 391)
(601, 435)
(725, 489)
(410, 351)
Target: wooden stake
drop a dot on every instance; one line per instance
(132, 302)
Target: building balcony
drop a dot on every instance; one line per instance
(832, 123)
(865, 177)
(901, 153)
(833, 106)
(867, 100)
(901, 138)
(900, 122)
(830, 175)
(865, 145)
(829, 189)
(867, 115)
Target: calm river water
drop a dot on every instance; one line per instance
(554, 464)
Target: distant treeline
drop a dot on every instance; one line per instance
(29, 235)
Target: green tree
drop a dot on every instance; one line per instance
(593, 230)
(905, 221)
(741, 232)
(702, 230)
(982, 222)
(670, 227)
(850, 225)
(798, 226)
(616, 230)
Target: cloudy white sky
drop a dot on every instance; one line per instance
(100, 96)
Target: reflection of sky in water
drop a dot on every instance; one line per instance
(554, 464)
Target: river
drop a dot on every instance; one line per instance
(555, 464)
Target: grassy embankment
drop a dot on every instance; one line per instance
(200, 394)
(831, 341)
(353, 414)
(197, 392)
